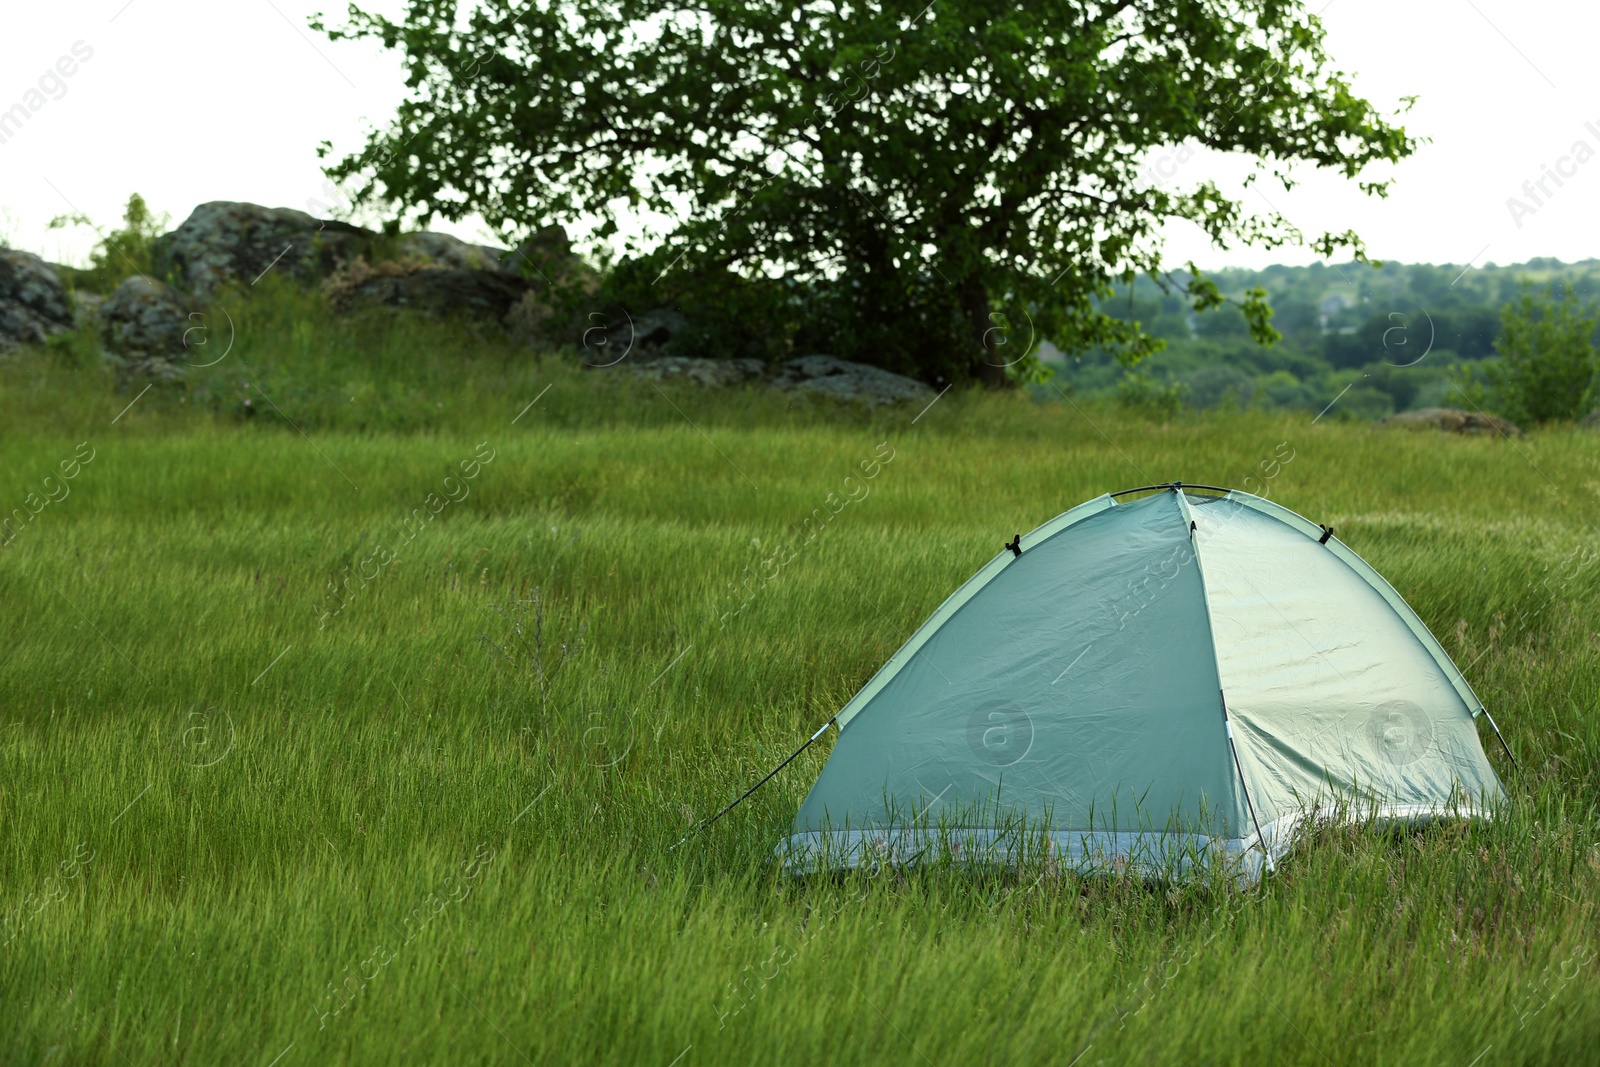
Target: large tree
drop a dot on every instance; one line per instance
(944, 182)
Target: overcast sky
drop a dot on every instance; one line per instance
(186, 101)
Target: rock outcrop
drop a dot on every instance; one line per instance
(446, 276)
(1451, 420)
(712, 372)
(614, 334)
(547, 252)
(143, 326)
(442, 291)
(223, 243)
(817, 375)
(846, 380)
(33, 302)
(442, 251)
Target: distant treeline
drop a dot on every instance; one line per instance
(1399, 336)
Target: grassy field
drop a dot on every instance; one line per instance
(353, 725)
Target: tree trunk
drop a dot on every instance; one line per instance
(986, 366)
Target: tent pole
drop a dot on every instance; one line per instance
(1261, 840)
(1515, 765)
(705, 825)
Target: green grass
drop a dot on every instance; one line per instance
(454, 798)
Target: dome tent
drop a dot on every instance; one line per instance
(1168, 680)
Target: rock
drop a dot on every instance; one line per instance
(1451, 420)
(222, 243)
(143, 324)
(712, 372)
(656, 328)
(481, 294)
(542, 263)
(650, 332)
(613, 335)
(555, 275)
(543, 258)
(846, 380)
(822, 375)
(443, 251)
(33, 303)
(547, 255)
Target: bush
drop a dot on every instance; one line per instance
(1469, 385)
(1281, 389)
(1547, 357)
(121, 254)
(1138, 391)
(1219, 385)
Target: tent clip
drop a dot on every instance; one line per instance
(1327, 532)
(1015, 545)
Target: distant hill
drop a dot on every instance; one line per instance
(1380, 339)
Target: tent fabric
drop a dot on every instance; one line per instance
(1159, 684)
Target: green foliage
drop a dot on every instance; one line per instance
(905, 175)
(1140, 392)
(1363, 402)
(80, 346)
(1469, 386)
(1547, 357)
(1281, 389)
(1031, 370)
(122, 253)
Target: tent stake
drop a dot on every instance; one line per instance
(705, 825)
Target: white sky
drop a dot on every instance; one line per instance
(186, 101)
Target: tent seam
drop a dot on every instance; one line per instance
(1222, 697)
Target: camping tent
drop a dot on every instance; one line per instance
(1171, 679)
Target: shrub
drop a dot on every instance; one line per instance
(1547, 357)
(1138, 391)
(121, 254)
